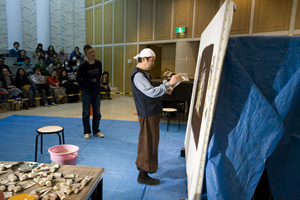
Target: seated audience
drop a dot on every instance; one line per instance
(3, 98)
(26, 87)
(2, 65)
(71, 86)
(43, 67)
(51, 51)
(55, 59)
(54, 84)
(48, 60)
(61, 55)
(15, 52)
(39, 51)
(76, 52)
(104, 83)
(22, 57)
(82, 58)
(58, 69)
(9, 85)
(39, 81)
(27, 67)
(73, 61)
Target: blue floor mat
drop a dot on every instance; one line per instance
(116, 152)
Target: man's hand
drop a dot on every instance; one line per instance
(169, 90)
(174, 79)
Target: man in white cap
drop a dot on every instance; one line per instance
(148, 107)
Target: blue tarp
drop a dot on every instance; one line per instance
(257, 120)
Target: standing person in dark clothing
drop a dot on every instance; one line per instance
(88, 79)
(149, 108)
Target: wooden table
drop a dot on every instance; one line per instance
(93, 189)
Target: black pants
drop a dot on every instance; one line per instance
(106, 90)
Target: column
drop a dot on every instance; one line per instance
(186, 57)
(43, 23)
(14, 23)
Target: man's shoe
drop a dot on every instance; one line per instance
(99, 135)
(147, 180)
(46, 104)
(86, 136)
(53, 104)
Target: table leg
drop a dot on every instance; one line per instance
(63, 136)
(36, 146)
(168, 121)
(59, 138)
(42, 143)
(98, 192)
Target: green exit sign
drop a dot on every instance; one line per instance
(180, 30)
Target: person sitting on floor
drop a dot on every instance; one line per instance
(2, 65)
(61, 55)
(26, 87)
(39, 81)
(15, 52)
(39, 51)
(9, 85)
(54, 84)
(22, 57)
(70, 85)
(42, 66)
(3, 98)
(104, 83)
(27, 67)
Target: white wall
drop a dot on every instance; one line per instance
(66, 27)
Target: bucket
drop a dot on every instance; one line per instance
(64, 154)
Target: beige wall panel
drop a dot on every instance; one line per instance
(98, 53)
(241, 17)
(297, 21)
(118, 67)
(131, 20)
(155, 72)
(98, 2)
(146, 20)
(205, 11)
(163, 14)
(183, 16)
(89, 26)
(108, 23)
(168, 58)
(98, 25)
(88, 3)
(130, 52)
(119, 21)
(272, 15)
(107, 60)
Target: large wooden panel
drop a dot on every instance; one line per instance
(107, 60)
(297, 21)
(146, 20)
(131, 20)
(118, 67)
(163, 14)
(88, 3)
(168, 57)
(98, 2)
(183, 16)
(241, 17)
(98, 25)
(108, 23)
(119, 21)
(98, 53)
(130, 52)
(89, 26)
(205, 11)
(272, 15)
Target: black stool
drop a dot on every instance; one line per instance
(169, 111)
(48, 130)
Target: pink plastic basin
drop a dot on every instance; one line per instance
(64, 154)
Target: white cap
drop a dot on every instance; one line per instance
(147, 52)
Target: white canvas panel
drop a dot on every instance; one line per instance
(211, 55)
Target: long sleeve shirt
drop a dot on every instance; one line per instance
(37, 79)
(51, 81)
(28, 69)
(14, 53)
(142, 84)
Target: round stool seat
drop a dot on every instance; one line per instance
(169, 109)
(50, 129)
